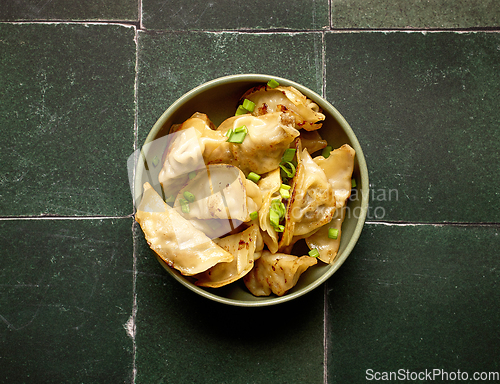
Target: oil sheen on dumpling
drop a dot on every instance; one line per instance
(289, 100)
(174, 239)
(338, 168)
(245, 246)
(276, 273)
(267, 139)
(188, 144)
(312, 202)
(269, 186)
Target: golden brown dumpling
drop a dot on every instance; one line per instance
(276, 273)
(174, 239)
(288, 100)
(245, 246)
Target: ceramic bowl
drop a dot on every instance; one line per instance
(218, 99)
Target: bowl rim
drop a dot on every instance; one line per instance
(363, 169)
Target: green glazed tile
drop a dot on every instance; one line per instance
(185, 338)
(123, 10)
(171, 64)
(425, 109)
(66, 291)
(414, 14)
(416, 298)
(192, 15)
(66, 119)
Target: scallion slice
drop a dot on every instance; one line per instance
(253, 176)
(192, 175)
(249, 105)
(272, 83)
(243, 128)
(189, 196)
(314, 252)
(353, 183)
(229, 132)
(333, 233)
(155, 161)
(288, 168)
(288, 155)
(254, 215)
(170, 199)
(285, 192)
(240, 110)
(326, 151)
(237, 137)
(184, 205)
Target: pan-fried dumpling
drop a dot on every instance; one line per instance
(312, 141)
(245, 246)
(312, 202)
(267, 139)
(327, 248)
(174, 239)
(269, 186)
(288, 100)
(221, 193)
(276, 273)
(338, 168)
(188, 144)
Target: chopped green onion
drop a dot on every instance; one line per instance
(278, 206)
(333, 233)
(249, 105)
(314, 253)
(253, 176)
(353, 183)
(326, 151)
(272, 83)
(274, 218)
(288, 155)
(243, 128)
(229, 132)
(189, 196)
(192, 175)
(170, 199)
(237, 137)
(285, 192)
(155, 161)
(285, 186)
(288, 168)
(184, 205)
(240, 111)
(254, 215)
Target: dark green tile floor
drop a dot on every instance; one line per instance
(84, 301)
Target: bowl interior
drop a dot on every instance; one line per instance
(219, 100)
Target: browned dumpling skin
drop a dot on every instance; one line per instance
(276, 273)
(338, 168)
(305, 113)
(312, 202)
(174, 239)
(267, 139)
(245, 246)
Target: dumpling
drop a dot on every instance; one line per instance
(221, 193)
(267, 139)
(312, 202)
(312, 141)
(269, 186)
(188, 144)
(276, 273)
(338, 168)
(174, 239)
(246, 247)
(327, 248)
(289, 100)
